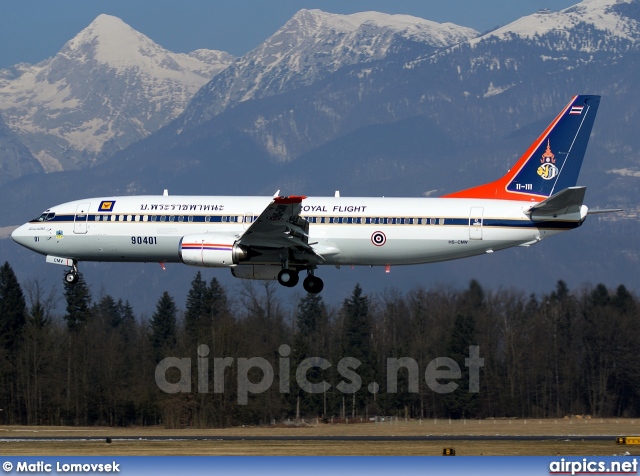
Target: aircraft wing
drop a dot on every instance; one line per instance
(280, 226)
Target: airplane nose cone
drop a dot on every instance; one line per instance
(20, 236)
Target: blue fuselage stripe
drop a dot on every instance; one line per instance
(486, 222)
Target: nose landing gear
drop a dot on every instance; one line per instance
(72, 275)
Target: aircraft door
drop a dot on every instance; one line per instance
(80, 220)
(475, 223)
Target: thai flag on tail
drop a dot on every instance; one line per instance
(576, 110)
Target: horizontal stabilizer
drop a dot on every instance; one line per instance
(605, 210)
(565, 202)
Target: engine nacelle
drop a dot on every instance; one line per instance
(211, 250)
(257, 271)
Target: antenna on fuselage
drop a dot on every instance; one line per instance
(166, 192)
(337, 195)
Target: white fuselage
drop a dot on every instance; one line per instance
(349, 231)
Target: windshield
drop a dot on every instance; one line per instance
(46, 216)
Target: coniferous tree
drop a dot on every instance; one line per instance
(78, 299)
(461, 403)
(195, 312)
(127, 317)
(309, 318)
(107, 309)
(562, 291)
(623, 300)
(358, 342)
(12, 324)
(13, 310)
(357, 325)
(163, 326)
(215, 299)
(599, 297)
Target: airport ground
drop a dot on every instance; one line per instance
(551, 437)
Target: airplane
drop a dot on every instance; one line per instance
(280, 237)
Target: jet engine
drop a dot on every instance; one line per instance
(211, 250)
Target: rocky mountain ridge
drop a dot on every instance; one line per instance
(109, 86)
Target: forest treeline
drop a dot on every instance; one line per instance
(563, 353)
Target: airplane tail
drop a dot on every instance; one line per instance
(552, 163)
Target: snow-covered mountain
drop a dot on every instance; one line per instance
(312, 45)
(618, 20)
(106, 88)
(16, 160)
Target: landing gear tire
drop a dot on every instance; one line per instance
(312, 284)
(288, 278)
(71, 277)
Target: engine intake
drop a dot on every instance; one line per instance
(211, 250)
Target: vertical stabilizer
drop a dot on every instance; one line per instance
(552, 163)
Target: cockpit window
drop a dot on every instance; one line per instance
(46, 216)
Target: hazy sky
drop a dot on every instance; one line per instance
(33, 30)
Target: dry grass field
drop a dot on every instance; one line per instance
(132, 441)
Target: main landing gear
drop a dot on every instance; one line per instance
(289, 278)
(72, 275)
(312, 284)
